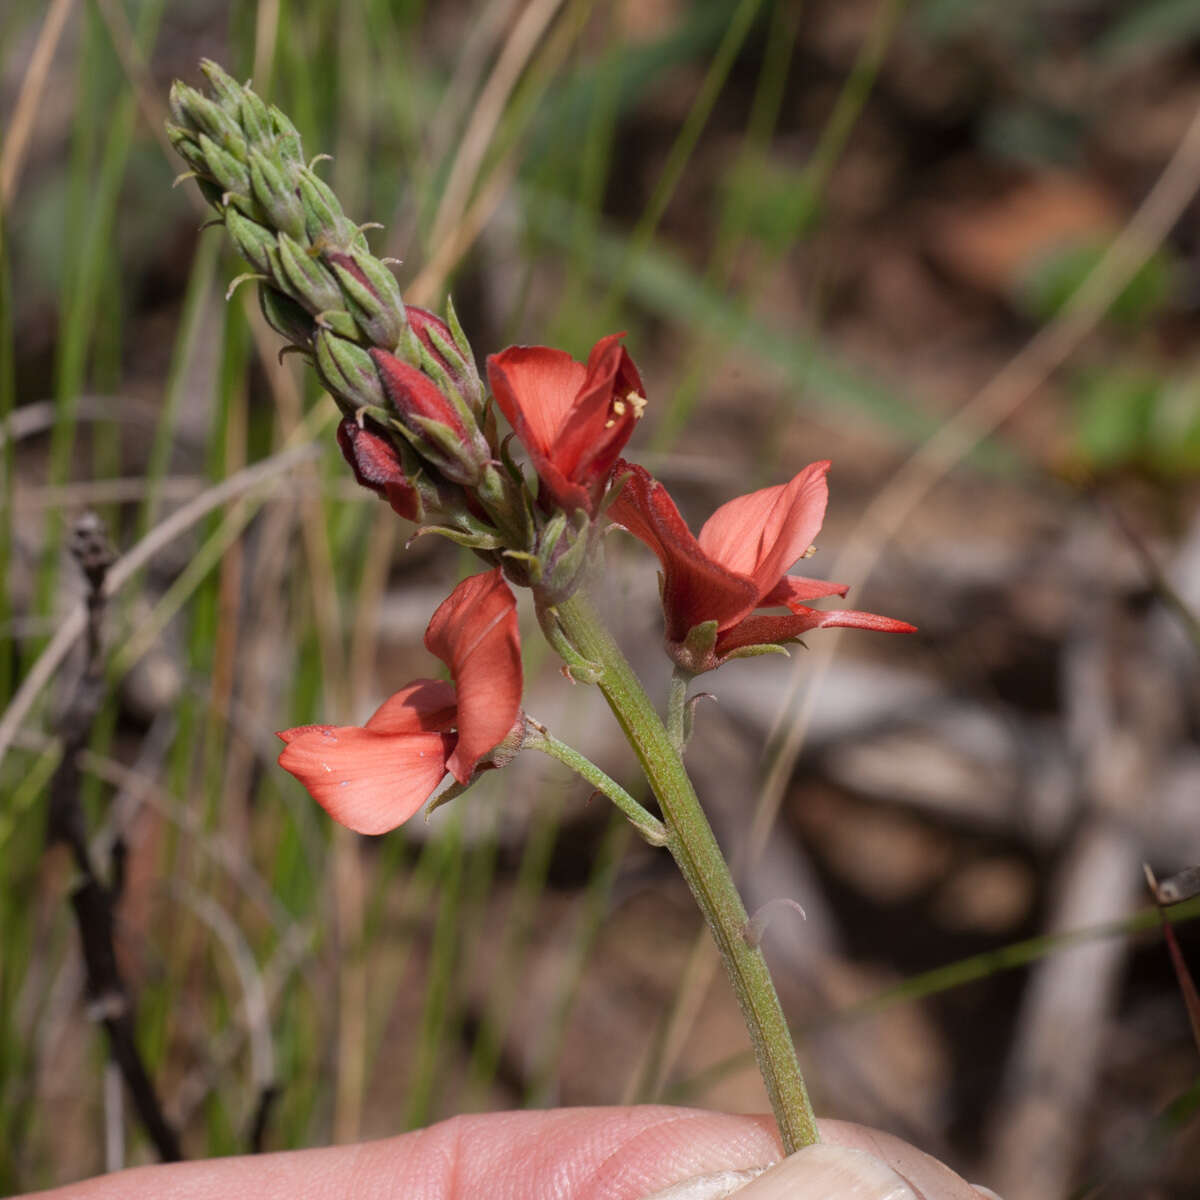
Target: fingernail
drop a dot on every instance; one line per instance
(824, 1172)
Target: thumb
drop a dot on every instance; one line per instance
(822, 1171)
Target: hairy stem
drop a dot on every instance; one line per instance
(692, 843)
(538, 737)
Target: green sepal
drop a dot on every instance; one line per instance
(535, 566)
(339, 321)
(448, 450)
(307, 280)
(228, 90)
(473, 541)
(189, 150)
(509, 463)
(453, 792)
(755, 651)
(287, 136)
(255, 118)
(456, 332)
(562, 575)
(382, 280)
(700, 642)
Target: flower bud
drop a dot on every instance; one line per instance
(279, 201)
(348, 372)
(227, 89)
(372, 294)
(433, 425)
(377, 465)
(254, 242)
(306, 279)
(225, 168)
(324, 220)
(439, 340)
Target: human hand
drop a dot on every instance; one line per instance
(580, 1153)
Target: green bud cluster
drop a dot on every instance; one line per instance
(320, 285)
(410, 372)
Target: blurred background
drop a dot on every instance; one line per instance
(952, 246)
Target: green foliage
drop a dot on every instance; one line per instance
(1055, 278)
(1132, 416)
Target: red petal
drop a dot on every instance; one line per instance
(792, 589)
(760, 630)
(595, 432)
(761, 535)
(368, 781)
(695, 589)
(475, 633)
(535, 388)
(424, 706)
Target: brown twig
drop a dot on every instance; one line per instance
(93, 900)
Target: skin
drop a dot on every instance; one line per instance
(579, 1153)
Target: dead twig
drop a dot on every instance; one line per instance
(93, 900)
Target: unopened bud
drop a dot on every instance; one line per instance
(439, 341)
(225, 168)
(227, 89)
(377, 465)
(372, 294)
(348, 373)
(254, 242)
(275, 197)
(324, 220)
(431, 422)
(307, 279)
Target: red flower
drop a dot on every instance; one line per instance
(375, 777)
(573, 420)
(737, 565)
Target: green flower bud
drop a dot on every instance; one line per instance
(225, 169)
(276, 198)
(307, 280)
(379, 312)
(254, 242)
(348, 373)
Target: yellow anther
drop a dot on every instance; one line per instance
(621, 407)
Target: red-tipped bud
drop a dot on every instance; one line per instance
(436, 429)
(377, 465)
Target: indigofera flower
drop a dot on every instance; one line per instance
(713, 585)
(375, 777)
(573, 419)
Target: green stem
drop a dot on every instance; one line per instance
(694, 846)
(538, 737)
(677, 700)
